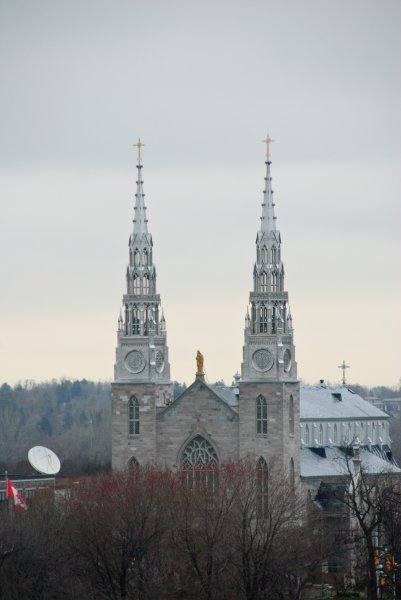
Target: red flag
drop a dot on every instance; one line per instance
(19, 502)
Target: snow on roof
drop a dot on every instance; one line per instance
(326, 402)
(334, 463)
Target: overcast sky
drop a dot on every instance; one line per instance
(201, 83)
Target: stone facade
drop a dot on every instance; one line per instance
(257, 417)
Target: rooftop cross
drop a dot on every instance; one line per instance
(139, 145)
(343, 367)
(267, 141)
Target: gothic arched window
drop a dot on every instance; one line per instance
(263, 319)
(291, 415)
(274, 282)
(135, 321)
(273, 255)
(145, 258)
(199, 463)
(261, 416)
(264, 254)
(137, 284)
(263, 282)
(137, 258)
(146, 284)
(133, 416)
(306, 436)
(321, 435)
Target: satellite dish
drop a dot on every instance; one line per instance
(44, 460)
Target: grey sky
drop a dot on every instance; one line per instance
(201, 83)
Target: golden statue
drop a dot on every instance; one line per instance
(199, 363)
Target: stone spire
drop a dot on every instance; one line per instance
(268, 219)
(140, 220)
(141, 351)
(268, 351)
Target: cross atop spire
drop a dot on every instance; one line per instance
(343, 367)
(267, 141)
(139, 145)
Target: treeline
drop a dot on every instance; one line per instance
(147, 534)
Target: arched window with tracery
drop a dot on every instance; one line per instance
(133, 416)
(199, 463)
(291, 416)
(262, 488)
(261, 416)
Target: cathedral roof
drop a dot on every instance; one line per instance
(335, 402)
(331, 462)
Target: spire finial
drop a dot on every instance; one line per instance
(267, 141)
(139, 145)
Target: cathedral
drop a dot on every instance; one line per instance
(265, 415)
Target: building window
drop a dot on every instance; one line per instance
(306, 437)
(291, 416)
(263, 282)
(146, 284)
(274, 282)
(321, 435)
(199, 464)
(137, 284)
(335, 434)
(261, 416)
(264, 254)
(145, 258)
(137, 258)
(133, 416)
(263, 319)
(135, 321)
(262, 488)
(273, 255)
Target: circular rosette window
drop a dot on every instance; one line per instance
(263, 359)
(159, 361)
(287, 361)
(135, 361)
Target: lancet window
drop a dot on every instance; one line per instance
(199, 463)
(292, 477)
(335, 434)
(135, 321)
(145, 258)
(137, 258)
(273, 255)
(263, 319)
(306, 436)
(145, 283)
(133, 416)
(137, 284)
(263, 282)
(274, 282)
(264, 254)
(261, 416)
(321, 435)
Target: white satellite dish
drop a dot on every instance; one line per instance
(44, 460)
